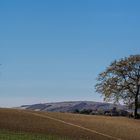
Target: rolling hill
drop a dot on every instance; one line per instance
(71, 106)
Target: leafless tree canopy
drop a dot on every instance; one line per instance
(121, 81)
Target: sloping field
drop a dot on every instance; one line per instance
(68, 125)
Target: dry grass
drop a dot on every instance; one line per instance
(26, 121)
(120, 127)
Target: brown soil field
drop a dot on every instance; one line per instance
(75, 126)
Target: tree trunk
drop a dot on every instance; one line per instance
(136, 107)
(136, 103)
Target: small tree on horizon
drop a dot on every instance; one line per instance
(121, 81)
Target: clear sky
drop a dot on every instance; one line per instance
(53, 50)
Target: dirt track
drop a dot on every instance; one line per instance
(78, 126)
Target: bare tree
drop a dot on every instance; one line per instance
(121, 81)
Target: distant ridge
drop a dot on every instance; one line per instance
(71, 106)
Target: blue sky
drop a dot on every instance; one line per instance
(54, 50)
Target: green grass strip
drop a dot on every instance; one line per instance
(5, 135)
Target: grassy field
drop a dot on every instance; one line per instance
(6, 135)
(57, 126)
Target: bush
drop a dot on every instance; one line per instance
(76, 111)
(86, 111)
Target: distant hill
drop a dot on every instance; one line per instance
(71, 106)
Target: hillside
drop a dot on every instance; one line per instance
(70, 106)
(73, 126)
